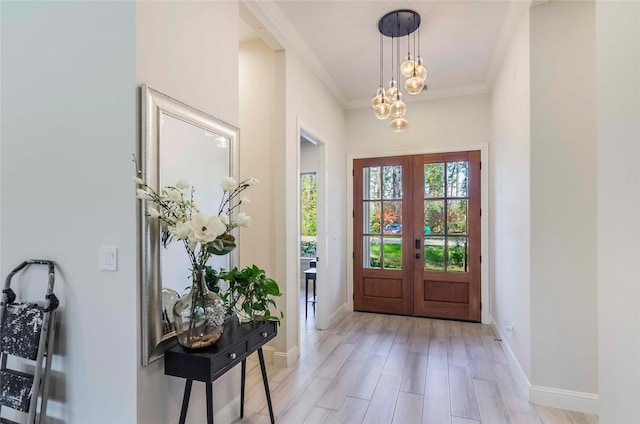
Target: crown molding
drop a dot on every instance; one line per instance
(269, 15)
(509, 26)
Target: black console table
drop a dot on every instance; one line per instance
(238, 341)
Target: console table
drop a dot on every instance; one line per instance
(238, 341)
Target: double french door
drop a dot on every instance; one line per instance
(417, 235)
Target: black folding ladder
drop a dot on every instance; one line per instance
(27, 332)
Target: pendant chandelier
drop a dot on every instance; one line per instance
(396, 25)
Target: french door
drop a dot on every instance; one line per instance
(417, 235)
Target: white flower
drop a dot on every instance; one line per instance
(153, 212)
(205, 228)
(181, 230)
(245, 199)
(175, 196)
(228, 183)
(224, 218)
(142, 194)
(243, 220)
(138, 180)
(252, 181)
(182, 184)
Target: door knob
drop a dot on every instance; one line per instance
(233, 356)
(417, 256)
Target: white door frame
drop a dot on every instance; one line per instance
(484, 220)
(322, 314)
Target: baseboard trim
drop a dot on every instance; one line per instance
(286, 359)
(338, 315)
(565, 399)
(229, 413)
(548, 396)
(269, 353)
(520, 378)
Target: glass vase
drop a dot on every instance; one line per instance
(199, 315)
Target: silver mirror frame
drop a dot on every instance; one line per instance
(153, 105)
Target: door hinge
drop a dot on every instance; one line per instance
(353, 173)
(480, 259)
(480, 305)
(353, 255)
(480, 165)
(480, 212)
(353, 214)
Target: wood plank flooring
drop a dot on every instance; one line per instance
(373, 368)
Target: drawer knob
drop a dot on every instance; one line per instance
(232, 356)
(264, 334)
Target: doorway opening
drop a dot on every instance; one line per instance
(308, 229)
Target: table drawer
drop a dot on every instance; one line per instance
(230, 357)
(267, 332)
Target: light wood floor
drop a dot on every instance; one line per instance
(373, 368)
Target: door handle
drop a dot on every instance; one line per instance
(417, 244)
(417, 256)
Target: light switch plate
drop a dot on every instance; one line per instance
(108, 258)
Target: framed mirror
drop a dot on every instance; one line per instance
(177, 142)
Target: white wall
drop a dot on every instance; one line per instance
(68, 131)
(189, 51)
(454, 121)
(310, 107)
(257, 93)
(308, 156)
(509, 194)
(618, 147)
(563, 198)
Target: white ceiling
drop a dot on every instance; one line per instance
(462, 42)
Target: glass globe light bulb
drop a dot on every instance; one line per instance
(382, 110)
(421, 72)
(414, 85)
(393, 89)
(398, 108)
(377, 98)
(399, 124)
(406, 68)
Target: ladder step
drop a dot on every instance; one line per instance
(7, 421)
(16, 389)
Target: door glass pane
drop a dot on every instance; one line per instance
(457, 252)
(457, 179)
(434, 217)
(434, 253)
(371, 217)
(392, 252)
(392, 182)
(371, 183)
(392, 217)
(433, 180)
(456, 216)
(371, 252)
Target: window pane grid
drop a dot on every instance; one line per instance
(446, 200)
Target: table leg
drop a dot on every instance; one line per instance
(306, 295)
(244, 372)
(314, 297)
(209, 403)
(185, 400)
(266, 384)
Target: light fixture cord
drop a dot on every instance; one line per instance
(398, 69)
(381, 54)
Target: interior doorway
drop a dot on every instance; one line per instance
(309, 228)
(417, 247)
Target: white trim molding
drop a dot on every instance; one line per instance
(337, 316)
(548, 396)
(519, 377)
(286, 359)
(565, 399)
(229, 413)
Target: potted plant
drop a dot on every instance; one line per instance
(251, 293)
